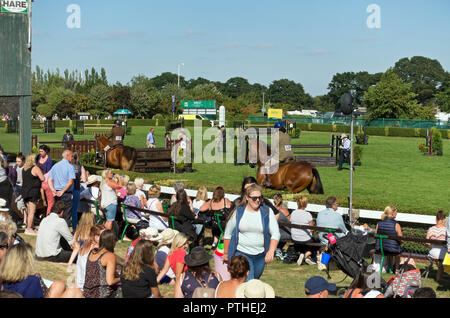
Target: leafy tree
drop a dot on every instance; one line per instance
(101, 100)
(285, 91)
(121, 97)
(350, 82)
(424, 74)
(443, 100)
(391, 98)
(167, 78)
(206, 92)
(165, 102)
(235, 87)
(60, 101)
(190, 84)
(81, 103)
(45, 110)
(139, 100)
(323, 103)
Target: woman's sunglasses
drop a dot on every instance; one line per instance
(260, 198)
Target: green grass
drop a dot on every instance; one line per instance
(393, 172)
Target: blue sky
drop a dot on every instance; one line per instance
(262, 41)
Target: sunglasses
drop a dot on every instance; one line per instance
(3, 246)
(260, 198)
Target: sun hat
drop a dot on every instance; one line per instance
(255, 288)
(167, 236)
(317, 284)
(150, 234)
(3, 205)
(344, 135)
(92, 179)
(197, 257)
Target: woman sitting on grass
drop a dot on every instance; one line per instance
(18, 274)
(239, 269)
(175, 257)
(91, 243)
(81, 234)
(101, 269)
(139, 276)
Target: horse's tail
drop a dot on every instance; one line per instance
(130, 154)
(318, 187)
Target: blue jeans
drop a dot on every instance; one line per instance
(76, 201)
(257, 263)
(111, 211)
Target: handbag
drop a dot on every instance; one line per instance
(204, 292)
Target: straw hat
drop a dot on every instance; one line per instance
(92, 179)
(167, 236)
(344, 136)
(150, 234)
(254, 288)
(3, 205)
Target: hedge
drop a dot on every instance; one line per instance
(374, 131)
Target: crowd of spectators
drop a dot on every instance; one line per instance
(169, 248)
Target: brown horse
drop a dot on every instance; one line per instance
(121, 157)
(293, 176)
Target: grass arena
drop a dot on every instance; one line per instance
(393, 172)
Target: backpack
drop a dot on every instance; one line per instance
(204, 292)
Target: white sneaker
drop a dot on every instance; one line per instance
(309, 261)
(300, 259)
(321, 267)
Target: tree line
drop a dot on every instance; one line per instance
(412, 88)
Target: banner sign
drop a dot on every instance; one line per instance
(275, 113)
(14, 6)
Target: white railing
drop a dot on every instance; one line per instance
(316, 208)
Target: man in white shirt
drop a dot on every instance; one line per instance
(52, 230)
(345, 149)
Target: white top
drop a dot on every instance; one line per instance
(50, 231)
(109, 196)
(166, 250)
(19, 175)
(301, 217)
(251, 237)
(155, 220)
(81, 270)
(197, 204)
(92, 194)
(139, 194)
(3, 174)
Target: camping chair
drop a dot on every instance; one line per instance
(98, 212)
(128, 221)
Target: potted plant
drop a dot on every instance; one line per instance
(437, 142)
(357, 154)
(362, 138)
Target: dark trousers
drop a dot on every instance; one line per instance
(63, 256)
(6, 192)
(300, 247)
(344, 155)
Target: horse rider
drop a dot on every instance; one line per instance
(282, 154)
(115, 136)
(345, 149)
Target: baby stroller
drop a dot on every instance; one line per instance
(348, 253)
